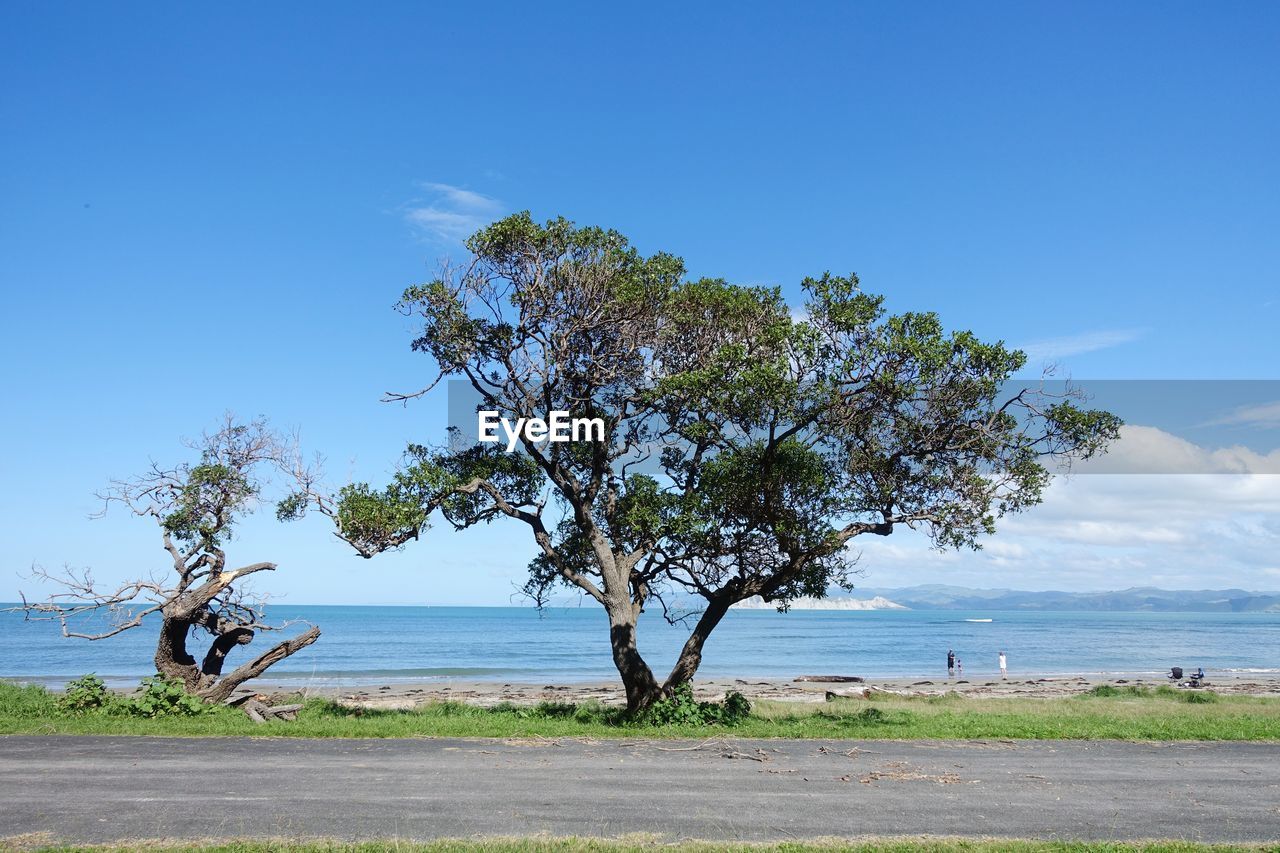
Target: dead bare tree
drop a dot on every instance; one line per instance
(195, 507)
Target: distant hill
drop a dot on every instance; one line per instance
(1144, 598)
(833, 603)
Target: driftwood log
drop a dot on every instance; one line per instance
(836, 679)
(865, 693)
(256, 708)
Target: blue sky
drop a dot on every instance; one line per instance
(210, 209)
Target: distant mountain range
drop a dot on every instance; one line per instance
(1144, 598)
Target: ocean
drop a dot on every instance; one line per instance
(363, 646)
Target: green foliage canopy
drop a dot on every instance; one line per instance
(746, 447)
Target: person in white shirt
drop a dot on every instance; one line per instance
(1004, 664)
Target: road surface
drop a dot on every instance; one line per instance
(94, 789)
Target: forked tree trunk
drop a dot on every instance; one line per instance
(206, 680)
(190, 609)
(691, 655)
(637, 678)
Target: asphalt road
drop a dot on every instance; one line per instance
(113, 788)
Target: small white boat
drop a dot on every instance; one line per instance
(977, 620)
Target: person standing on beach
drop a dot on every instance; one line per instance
(951, 663)
(1004, 666)
(959, 668)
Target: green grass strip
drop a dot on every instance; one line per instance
(1153, 715)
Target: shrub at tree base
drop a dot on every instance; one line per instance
(157, 697)
(87, 693)
(681, 709)
(165, 697)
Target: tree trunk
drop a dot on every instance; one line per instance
(172, 659)
(637, 678)
(206, 681)
(691, 655)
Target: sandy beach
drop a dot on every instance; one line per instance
(812, 689)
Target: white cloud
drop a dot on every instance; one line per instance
(1148, 450)
(450, 214)
(1120, 533)
(1051, 349)
(1193, 530)
(1006, 550)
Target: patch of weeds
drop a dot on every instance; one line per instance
(31, 701)
(682, 709)
(1128, 691)
(1164, 691)
(875, 717)
(945, 698)
(162, 697)
(86, 693)
(1198, 697)
(868, 715)
(593, 711)
(156, 697)
(554, 710)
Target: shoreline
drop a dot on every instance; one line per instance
(486, 693)
(392, 694)
(355, 680)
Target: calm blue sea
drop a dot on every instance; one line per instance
(368, 645)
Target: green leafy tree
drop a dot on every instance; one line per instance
(745, 448)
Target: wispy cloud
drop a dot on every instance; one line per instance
(450, 214)
(1051, 349)
(1262, 415)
